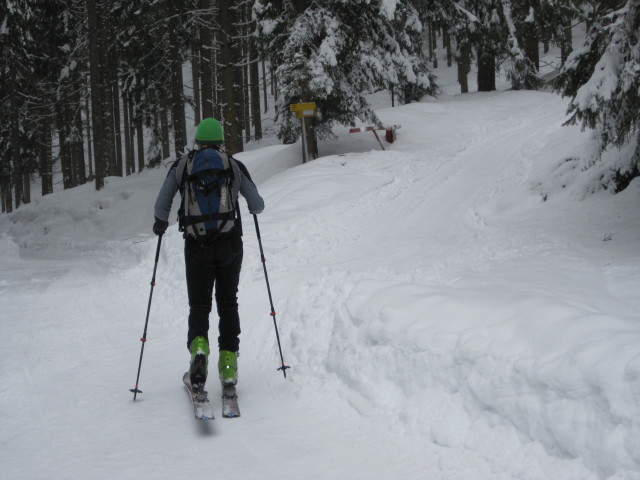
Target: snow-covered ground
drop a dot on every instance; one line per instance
(462, 305)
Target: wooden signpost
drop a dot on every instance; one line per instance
(302, 111)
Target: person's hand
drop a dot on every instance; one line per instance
(160, 226)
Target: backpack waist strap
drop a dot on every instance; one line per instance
(193, 219)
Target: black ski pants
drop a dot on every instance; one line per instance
(208, 266)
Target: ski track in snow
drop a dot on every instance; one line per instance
(441, 319)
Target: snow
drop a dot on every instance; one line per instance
(463, 305)
(602, 83)
(388, 8)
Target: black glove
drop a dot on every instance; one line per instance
(160, 226)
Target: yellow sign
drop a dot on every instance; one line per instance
(299, 107)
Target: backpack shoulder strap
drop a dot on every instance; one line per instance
(236, 172)
(233, 166)
(181, 169)
(241, 166)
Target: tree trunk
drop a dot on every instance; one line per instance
(96, 97)
(177, 84)
(87, 116)
(434, 54)
(64, 152)
(246, 92)
(430, 45)
(272, 78)
(232, 131)
(5, 192)
(155, 151)
(106, 66)
(195, 81)
(15, 141)
(139, 133)
(206, 58)
(216, 80)
(446, 41)
(140, 142)
(26, 187)
(69, 134)
(531, 42)
(77, 148)
(264, 86)
(46, 163)
(117, 171)
(128, 141)
(237, 52)
(486, 72)
(164, 128)
(255, 89)
(464, 67)
(132, 134)
(274, 84)
(240, 52)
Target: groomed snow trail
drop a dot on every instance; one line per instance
(449, 310)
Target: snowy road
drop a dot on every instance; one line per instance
(442, 320)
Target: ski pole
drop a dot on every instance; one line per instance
(273, 311)
(135, 390)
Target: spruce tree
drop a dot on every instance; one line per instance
(155, 39)
(335, 52)
(603, 80)
(18, 106)
(488, 40)
(412, 78)
(520, 18)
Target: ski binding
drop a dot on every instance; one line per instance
(230, 407)
(201, 406)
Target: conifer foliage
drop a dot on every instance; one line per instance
(335, 52)
(95, 88)
(603, 80)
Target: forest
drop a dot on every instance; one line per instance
(97, 88)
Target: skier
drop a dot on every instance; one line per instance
(213, 256)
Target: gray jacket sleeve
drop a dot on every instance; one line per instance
(250, 193)
(249, 190)
(168, 190)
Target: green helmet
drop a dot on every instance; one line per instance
(209, 132)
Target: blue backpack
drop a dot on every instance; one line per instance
(209, 195)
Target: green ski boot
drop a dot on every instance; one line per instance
(228, 367)
(199, 359)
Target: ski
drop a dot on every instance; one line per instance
(201, 407)
(230, 407)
